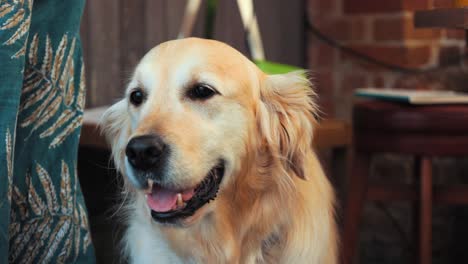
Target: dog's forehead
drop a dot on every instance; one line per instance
(175, 64)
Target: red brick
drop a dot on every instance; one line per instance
(442, 3)
(447, 55)
(324, 83)
(318, 8)
(342, 29)
(358, 29)
(337, 29)
(396, 55)
(388, 29)
(371, 6)
(412, 5)
(378, 81)
(383, 6)
(455, 33)
(321, 55)
(417, 33)
(326, 107)
(415, 82)
(395, 29)
(352, 81)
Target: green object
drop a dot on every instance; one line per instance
(43, 217)
(210, 17)
(269, 67)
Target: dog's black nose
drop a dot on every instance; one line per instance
(145, 152)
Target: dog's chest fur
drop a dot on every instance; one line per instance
(148, 243)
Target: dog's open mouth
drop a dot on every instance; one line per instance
(168, 205)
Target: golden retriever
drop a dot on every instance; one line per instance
(218, 162)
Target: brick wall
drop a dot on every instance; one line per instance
(384, 29)
(379, 28)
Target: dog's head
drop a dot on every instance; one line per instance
(199, 116)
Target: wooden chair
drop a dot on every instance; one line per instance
(422, 131)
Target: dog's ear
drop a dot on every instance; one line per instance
(286, 117)
(115, 125)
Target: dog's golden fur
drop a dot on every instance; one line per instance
(275, 204)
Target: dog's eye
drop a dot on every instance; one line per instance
(136, 97)
(201, 92)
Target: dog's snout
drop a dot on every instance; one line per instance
(145, 152)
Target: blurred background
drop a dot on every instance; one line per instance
(346, 44)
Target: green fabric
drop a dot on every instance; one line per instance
(43, 218)
(269, 67)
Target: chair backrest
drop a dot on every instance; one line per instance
(251, 27)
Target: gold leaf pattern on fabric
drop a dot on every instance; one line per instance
(27, 231)
(63, 118)
(20, 32)
(59, 58)
(47, 60)
(65, 190)
(36, 97)
(49, 112)
(37, 204)
(14, 227)
(19, 53)
(14, 20)
(77, 240)
(66, 249)
(67, 73)
(41, 235)
(33, 50)
(35, 115)
(86, 242)
(31, 82)
(20, 202)
(81, 98)
(9, 161)
(83, 219)
(6, 9)
(47, 214)
(67, 79)
(49, 189)
(54, 240)
(39, 87)
(70, 88)
(53, 231)
(19, 19)
(76, 123)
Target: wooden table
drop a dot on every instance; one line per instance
(421, 131)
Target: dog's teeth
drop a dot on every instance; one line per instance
(180, 202)
(150, 186)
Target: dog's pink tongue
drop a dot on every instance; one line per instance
(161, 199)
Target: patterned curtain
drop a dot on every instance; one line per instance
(42, 214)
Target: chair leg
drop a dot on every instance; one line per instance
(416, 205)
(425, 229)
(356, 198)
